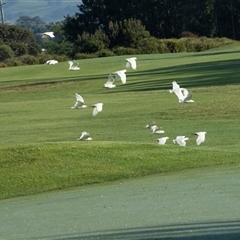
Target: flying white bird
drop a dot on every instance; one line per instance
(175, 87)
(121, 75)
(79, 102)
(51, 62)
(156, 129)
(73, 65)
(201, 137)
(131, 62)
(50, 34)
(110, 81)
(182, 93)
(85, 136)
(162, 140)
(187, 96)
(97, 108)
(152, 125)
(180, 140)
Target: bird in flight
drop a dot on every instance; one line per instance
(73, 65)
(156, 129)
(180, 140)
(182, 93)
(121, 75)
(131, 62)
(162, 140)
(79, 102)
(51, 62)
(110, 81)
(50, 34)
(85, 136)
(200, 137)
(97, 108)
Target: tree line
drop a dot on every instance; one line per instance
(106, 28)
(162, 18)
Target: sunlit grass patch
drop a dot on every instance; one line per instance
(39, 151)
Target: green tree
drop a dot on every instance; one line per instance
(34, 24)
(18, 39)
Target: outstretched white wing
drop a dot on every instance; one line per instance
(201, 137)
(73, 65)
(85, 136)
(177, 90)
(187, 96)
(162, 140)
(97, 108)
(131, 62)
(50, 34)
(79, 102)
(121, 75)
(51, 62)
(110, 81)
(180, 140)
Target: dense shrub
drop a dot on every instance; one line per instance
(59, 48)
(148, 46)
(162, 46)
(124, 51)
(5, 52)
(84, 56)
(3, 65)
(19, 49)
(28, 60)
(34, 49)
(189, 34)
(105, 53)
(88, 43)
(13, 62)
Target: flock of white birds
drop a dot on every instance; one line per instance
(183, 95)
(112, 77)
(180, 140)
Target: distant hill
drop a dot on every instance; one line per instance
(47, 10)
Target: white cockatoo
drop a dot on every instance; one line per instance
(182, 93)
(131, 62)
(85, 136)
(49, 34)
(152, 125)
(162, 140)
(110, 81)
(51, 62)
(79, 102)
(121, 75)
(201, 137)
(73, 65)
(187, 96)
(97, 108)
(181, 140)
(156, 129)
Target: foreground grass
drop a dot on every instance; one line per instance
(39, 151)
(49, 166)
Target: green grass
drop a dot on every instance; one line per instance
(39, 151)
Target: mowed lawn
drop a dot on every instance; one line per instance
(39, 151)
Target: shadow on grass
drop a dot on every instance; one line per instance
(223, 230)
(216, 73)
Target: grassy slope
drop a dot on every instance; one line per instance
(39, 151)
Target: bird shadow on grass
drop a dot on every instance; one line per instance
(216, 73)
(222, 230)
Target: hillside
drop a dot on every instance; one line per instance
(47, 10)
